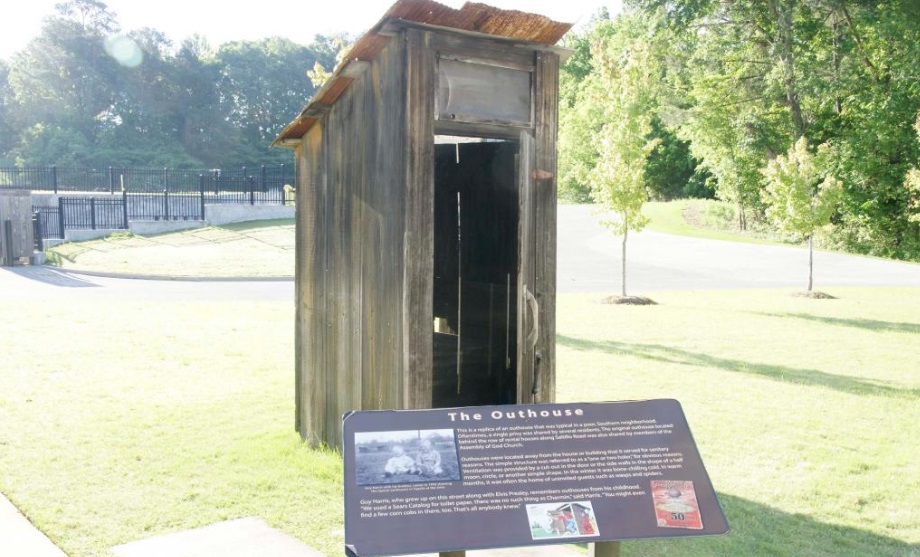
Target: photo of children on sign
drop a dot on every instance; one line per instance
(676, 505)
(395, 457)
(559, 520)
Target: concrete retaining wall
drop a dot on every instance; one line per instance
(84, 235)
(147, 227)
(226, 213)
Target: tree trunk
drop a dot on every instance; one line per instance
(811, 261)
(783, 14)
(623, 266)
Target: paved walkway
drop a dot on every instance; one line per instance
(244, 537)
(19, 538)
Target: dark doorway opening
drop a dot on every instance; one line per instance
(475, 272)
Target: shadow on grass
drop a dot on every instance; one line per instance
(759, 530)
(669, 354)
(867, 324)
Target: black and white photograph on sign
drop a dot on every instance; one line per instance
(560, 520)
(396, 457)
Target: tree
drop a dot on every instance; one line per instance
(262, 85)
(8, 132)
(800, 196)
(64, 78)
(754, 75)
(912, 185)
(618, 178)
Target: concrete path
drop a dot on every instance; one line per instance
(252, 537)
(244, 537)
(19, 538)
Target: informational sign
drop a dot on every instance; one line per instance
(421, 481)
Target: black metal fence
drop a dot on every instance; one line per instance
(90, 213)
(48, 221)
(115, 212)
(114, 179)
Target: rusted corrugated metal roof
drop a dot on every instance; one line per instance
(471, 17)
(482, 18)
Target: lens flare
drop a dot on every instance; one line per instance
(124, 50)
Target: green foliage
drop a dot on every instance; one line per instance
(745, 79)
(671, 172)
(798, 201)
(618, 178)
(912, 185)
(83, 92)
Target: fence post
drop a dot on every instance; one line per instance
(166, 179)
(54, 178)
(216, 174)
(201, 192)
(166, 204)
(282, 183)
(252, 190)
(61, 206)
(92, 212)
(124, 207)
(37, 231)
(111, 180)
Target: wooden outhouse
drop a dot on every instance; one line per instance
(426, 217)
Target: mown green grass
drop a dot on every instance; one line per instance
(804, 410)
(248, 249)
(704, 218)
(123, 420)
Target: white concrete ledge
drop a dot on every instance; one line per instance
(226, 213)
(147, 227)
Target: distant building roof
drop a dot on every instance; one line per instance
(471, 18)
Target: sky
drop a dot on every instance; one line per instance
(223, 21)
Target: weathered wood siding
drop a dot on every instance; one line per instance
(350, 233)
(418, 309)
(546, 98)
(365, 232)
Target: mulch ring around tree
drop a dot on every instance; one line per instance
(629, 300)
(814, 295)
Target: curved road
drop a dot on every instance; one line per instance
(588, 262)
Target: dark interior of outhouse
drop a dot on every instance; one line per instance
(475, 272)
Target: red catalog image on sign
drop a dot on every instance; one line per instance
(676, 505)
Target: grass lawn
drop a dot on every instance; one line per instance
(122, 420)
(266, 248)
(704, 218)
(247, 249)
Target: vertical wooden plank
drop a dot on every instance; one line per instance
(337, 265)
(310, 295)
(526, 264)
(357, 160)
(302, 310)
(419, 221)
(383, 228)
(546, 98)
